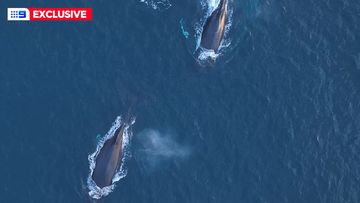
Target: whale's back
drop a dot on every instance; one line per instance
(214, 28)
(107, 161)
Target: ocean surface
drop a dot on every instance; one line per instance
(274, 120)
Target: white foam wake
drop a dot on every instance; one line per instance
(207, 54)
(210, 5)
(157, 4)
(95, 191)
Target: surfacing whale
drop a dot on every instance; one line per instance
(109, 158)
(214, 28)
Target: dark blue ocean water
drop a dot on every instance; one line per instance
(275, 120)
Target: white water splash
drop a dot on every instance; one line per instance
(157, 4)
(95, 191)
(206, 54)
(210, 5)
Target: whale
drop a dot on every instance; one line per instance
(214, 27)
(108, 159)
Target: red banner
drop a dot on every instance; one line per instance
(60, 14)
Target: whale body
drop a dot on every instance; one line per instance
(214, 27)
(109, 158)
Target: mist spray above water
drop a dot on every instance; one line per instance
(158, 148)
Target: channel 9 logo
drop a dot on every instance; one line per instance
(18, 14)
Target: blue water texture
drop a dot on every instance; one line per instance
(274, 120)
